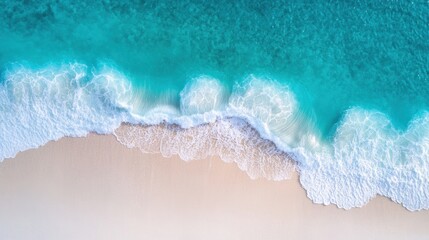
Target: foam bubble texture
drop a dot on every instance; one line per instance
(271, 107)
(202, 94)
(232, 139)
(260, 127)
(47, 104)
(368, 157)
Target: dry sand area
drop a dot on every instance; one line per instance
(95, 188)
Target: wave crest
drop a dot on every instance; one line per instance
(368, 157)
(47, 104)
(202, 94)
(260, 126)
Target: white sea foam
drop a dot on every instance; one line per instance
(272, 109)
(260, 127)
(202, 94)
(43, 105)
(232, 139)
(368, 157)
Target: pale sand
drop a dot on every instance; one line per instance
(95, 188)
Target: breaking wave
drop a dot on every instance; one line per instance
(259, 125)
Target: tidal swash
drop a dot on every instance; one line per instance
(336, 90)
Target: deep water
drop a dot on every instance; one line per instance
(341, 85)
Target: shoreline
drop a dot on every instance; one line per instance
(96, 188)
(347, 170)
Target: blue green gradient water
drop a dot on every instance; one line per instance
(339, 53)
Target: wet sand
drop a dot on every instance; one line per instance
(95, 188)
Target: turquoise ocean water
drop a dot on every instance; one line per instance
(341, 85)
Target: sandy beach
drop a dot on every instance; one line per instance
(95, 188)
